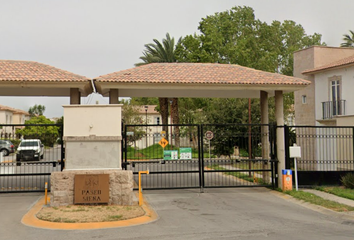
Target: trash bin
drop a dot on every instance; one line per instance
(287, 179)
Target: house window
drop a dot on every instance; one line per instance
(303, 99)
(157, 120)
(335, 97)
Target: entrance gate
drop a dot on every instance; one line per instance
(201, 156)
(32, 174)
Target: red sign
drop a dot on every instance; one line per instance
(209, 135)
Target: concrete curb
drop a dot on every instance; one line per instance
(31, 220)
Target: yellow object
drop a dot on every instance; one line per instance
(255, 179)
(140, 192)
(45, 193)
(163, 142)
(287, 180)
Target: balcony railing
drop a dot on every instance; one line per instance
(331, 109)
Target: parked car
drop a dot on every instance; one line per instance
(29, 150)
(6, 147)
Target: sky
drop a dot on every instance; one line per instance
(97, 37)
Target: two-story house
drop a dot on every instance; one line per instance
(328, 101)
(10, 115)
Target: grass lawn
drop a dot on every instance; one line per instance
(312, 198)
(338, 191)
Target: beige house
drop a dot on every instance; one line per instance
(10, 115)
(326, 102)
(149, 115)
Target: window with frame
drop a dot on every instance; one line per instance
(335, 97)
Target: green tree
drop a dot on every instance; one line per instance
(159, 52)
(144, 101)
(131, 116)
(163, 52)
(348, 40)
(36, 110)
(47, 134)
(235, 36)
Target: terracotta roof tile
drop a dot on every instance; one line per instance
(12, 70)
(150, 109)
(14, 110)
(199, 73)
(341, 63)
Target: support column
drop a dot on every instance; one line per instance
(113, 96)
(75, 96)
(265, 131)
(279, 117)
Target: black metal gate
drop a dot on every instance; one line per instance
(200, 156)
(30, 175)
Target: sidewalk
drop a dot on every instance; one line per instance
(330, 197)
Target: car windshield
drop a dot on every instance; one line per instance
(29, 144)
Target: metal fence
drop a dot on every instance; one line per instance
(200, 156)
(326, 153)
(19, 174)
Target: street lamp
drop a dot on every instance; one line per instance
(146, 122)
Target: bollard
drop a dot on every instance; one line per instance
(140, 192)
(45, 193)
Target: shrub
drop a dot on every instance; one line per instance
(348, 180)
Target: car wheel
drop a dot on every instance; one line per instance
(4, 152)
(36, 159)
(42, 156)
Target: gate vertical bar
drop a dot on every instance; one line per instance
(275, 157)
(201, 157)
(286, 145)
(352, 158)
(271, 143)
(61, 132)
(125, 148)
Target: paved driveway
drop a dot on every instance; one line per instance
(243, 213)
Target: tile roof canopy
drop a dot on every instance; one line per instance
(341, 63)
(199, 73)
(16, 71)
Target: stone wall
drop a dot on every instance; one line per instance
(120, 187)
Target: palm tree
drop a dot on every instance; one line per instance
(349, 40)
(159, 52)
(163, 52)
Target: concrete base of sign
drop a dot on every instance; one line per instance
(120, 187)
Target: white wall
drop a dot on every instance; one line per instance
(87, 120)
(322, 89)
(92, 136)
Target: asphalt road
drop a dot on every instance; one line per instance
(243, 213)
